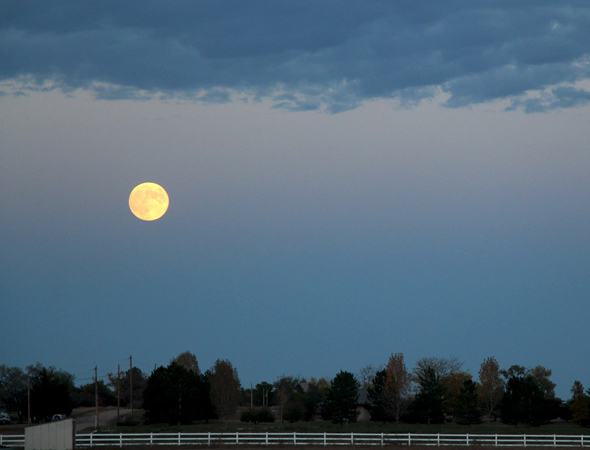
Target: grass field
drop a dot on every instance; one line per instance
(363, 427)
(560, 428)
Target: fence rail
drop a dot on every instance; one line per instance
(12, 440)
(318, 439)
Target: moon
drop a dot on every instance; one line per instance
(148, 201)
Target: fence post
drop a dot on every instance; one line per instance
(294, 437)
(524, 440)
(382, 442)
(467, 439)
(496, 440)
(152, 438)
(554, 440)
(120, 439)
(325, 440)
(237, 437)
(438, 439)
(91, 436)
(409, 439)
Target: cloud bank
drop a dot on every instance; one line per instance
(303, 55)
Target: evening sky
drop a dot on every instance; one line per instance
(347, 180)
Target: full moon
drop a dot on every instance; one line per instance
(148, 201)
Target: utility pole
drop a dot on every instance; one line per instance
(179, 400)
(29, 396)
(118, 390)
(96, 419)
(131, 383)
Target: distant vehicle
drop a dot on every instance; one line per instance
(58, 417)
(4, 418)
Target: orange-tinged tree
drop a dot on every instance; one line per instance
(367, 375)
(491, 387)
(225, 389)
(541, 376)
(396, 390)
(453, 385)
(189, 361)
(579, 405)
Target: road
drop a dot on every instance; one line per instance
(85, 422)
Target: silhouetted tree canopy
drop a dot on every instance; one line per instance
(467, 410)
(523, 401)
(176, 395)
(51, 392)
(427, 406)
(342, 398)
(224, 388)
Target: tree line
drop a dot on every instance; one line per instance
(436, 390)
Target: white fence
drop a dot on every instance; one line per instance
(322, 439)
(12, 440)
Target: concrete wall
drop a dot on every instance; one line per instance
(60, 435)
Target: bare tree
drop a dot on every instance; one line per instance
(286, 388)
(366, 375)
(443, 367)
(492, 386)
(189, 361)
(225, 389)
(397, 386)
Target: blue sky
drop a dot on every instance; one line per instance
(347, 180)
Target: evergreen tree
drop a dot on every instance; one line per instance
(159, 399)
(342, 398)
(314, 396)
(467, 411)
(376, 397)
(579, 405)
(427, 406)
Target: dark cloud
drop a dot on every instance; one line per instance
(303, 54)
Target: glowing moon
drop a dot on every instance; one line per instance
(148, 201)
